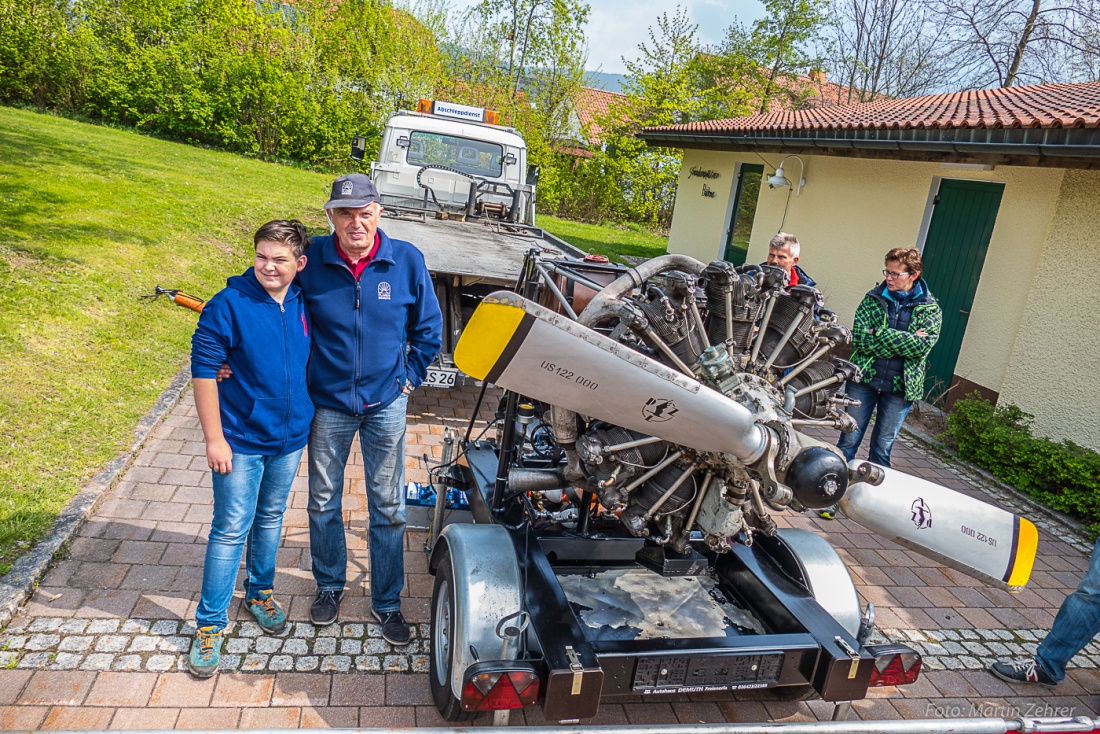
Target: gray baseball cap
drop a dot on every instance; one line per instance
(352, 191)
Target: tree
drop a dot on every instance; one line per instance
(1023, 41)
(895, 48)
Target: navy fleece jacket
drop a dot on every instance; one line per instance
(265, 406)
(370, 335)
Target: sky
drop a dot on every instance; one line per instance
(616, 27)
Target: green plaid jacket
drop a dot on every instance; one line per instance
(872, 339)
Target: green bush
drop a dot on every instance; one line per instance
(1061, 475)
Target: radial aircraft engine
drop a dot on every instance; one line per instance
(679, 396)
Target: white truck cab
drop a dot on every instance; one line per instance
(453, 159)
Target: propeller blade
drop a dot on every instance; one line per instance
(524, 347)
(948, 526)
(521, 346)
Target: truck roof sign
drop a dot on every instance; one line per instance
(457, 111)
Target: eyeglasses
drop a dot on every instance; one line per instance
(891, 276)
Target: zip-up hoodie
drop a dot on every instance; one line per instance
(370, 335)
(265, 406)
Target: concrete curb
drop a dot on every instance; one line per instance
(19, 583)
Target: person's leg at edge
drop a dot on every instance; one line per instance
(267, 528)
(234, 509)
(849, 442)
(1077, 622)
(892, 409)
(382, 437)
(330, 437)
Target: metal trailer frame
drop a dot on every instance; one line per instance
(806, 650)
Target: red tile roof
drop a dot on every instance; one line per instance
(592, 103)
(1040, 106)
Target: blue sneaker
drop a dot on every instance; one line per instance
(269, 615)
(206, 652)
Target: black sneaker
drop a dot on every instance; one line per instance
(326, 607)
(1022, 671)
(395, 630)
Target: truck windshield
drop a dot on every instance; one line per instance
(469, 156)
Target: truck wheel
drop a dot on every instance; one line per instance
(442, 654)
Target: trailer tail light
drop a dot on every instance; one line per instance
(895, 665)
(500, 690)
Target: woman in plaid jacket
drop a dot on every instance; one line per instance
(896, 326)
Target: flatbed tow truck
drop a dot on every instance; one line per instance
(458, 186)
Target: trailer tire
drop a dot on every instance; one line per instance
(442, 653)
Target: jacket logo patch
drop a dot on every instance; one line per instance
(347, 188)
(383, 291)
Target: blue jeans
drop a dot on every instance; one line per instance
(249, 503)
(892, 409)
(382, 438)
(1078, 621)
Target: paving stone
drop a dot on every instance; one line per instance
(73, 627)
(135, 626)
(305, 629)
(368, 664)
(102, 626)
(229, 662)
(250, 629)
(127, 663)
(46, 624)
(238, 645)
(144, 643)
(395, 663)
(351, 647)
(324, 646)
(8, 659)
(98, 661)
(13, 642)
(254, 662)
(281, 663)
(76, 643)
(295, 646)
(165, 627)
(34, 660)
(420, 664)
(174, 644)
(42, 642)
(267, 644)
(112, 643)
(354, 630)
(306, 662)
(18, 624)
(161, 663)
(376, 647)
(66, 661)
(335, 664)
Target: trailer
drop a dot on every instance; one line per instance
(552, 596)
(457, 185)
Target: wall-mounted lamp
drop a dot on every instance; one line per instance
(780, 178)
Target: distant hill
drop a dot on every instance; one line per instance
(602, 80)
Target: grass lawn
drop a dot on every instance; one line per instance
(612, 240)
(91, 218)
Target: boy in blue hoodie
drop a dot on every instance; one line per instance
(255, 427)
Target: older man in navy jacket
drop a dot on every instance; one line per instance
(376, 327)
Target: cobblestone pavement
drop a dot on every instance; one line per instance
(100, 645)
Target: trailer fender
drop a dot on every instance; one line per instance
(486, 589)
(825, 574)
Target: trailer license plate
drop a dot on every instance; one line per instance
(440, 377)
(720, 671)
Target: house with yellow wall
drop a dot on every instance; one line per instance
(999, 189)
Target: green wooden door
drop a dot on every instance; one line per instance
(954, 252)
(743, 213)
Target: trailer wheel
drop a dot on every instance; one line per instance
(443, 652)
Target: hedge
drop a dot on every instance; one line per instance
(1059, 474)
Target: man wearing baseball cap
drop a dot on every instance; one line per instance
(376, 327)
